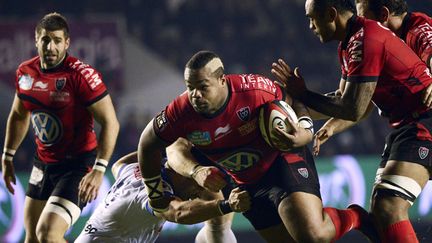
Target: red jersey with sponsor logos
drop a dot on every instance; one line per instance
(370, 53)
(417, 33)
(58, 99)
(231, 137)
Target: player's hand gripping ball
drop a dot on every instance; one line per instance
(275, 114)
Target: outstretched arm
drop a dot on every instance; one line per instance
(199, 210)
(182, 161)
(350, 106)
(125, 160)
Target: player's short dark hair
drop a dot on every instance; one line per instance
(396, 7)
(201, 58)
(339, 5)
(52, 22)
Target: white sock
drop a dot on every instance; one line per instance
(216, 234)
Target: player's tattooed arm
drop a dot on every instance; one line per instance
(350, 106)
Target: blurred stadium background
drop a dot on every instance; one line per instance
(141, 47)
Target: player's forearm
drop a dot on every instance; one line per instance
(149, 155)
(180, 157)
(339, 125)
(331, 106)
(193, 211)
(16, 129)
(107, 139)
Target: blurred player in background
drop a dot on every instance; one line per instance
(218, 117)
(124, 214)
(60, 95)
(376, 66)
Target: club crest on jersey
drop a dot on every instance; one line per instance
(25, 82)
(60, 83)
(303, 172)
(244, 113)
(199, 137)
(423, 152)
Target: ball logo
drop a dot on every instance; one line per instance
(47, 127)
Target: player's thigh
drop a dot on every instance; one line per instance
(58, 215)
(302, 214)
(32, 211)
(397, 186)
(276, 234)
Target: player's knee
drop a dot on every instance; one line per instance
(46, 234)
(393, 195)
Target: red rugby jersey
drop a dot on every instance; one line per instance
(372, 52)
(417, 33)
(58, 99)
(231, 137)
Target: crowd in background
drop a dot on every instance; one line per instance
(249, 35)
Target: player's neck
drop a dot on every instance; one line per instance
(44, 66)
(342, 25)
(395, 23)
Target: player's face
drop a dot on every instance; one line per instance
(321, 24)
(51, 47)
(362, 7)
(205, 91)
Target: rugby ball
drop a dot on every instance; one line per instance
(274, 114)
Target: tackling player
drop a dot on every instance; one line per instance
(124, 214)
(60, 96)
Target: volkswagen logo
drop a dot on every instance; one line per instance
(47, 127)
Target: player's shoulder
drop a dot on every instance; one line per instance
(83, 70)
(29, 64)
(179, 106)
(250, 83)
(418, 18)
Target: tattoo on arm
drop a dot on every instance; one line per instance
(350, 106)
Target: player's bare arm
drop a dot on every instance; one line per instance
(16, 130)
(183, 162)
(350, 106)
(149, 159)
(104, 113)
(125, 160)
(199, 210)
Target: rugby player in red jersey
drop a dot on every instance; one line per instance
(414, 28)
(378, 67)
(217, 117)
(60, 96)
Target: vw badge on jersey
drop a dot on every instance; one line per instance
(47, 127)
